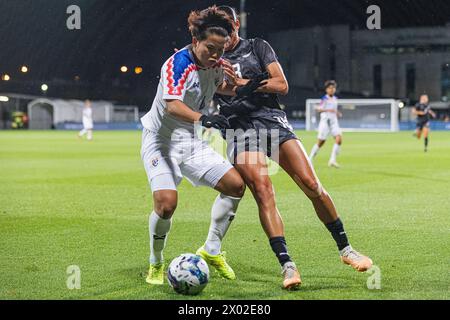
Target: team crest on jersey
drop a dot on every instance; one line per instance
(155, 162)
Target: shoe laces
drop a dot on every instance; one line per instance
(289, 270)
(353, 254)
(157, 268)
(223, 254)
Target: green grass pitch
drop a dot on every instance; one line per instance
(70, 202)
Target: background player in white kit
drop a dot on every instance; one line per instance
(88, 123)
(171, 149)
(328, 109)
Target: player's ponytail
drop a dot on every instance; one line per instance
(210, 20)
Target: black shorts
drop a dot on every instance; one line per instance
(263, 133)
(422, 124)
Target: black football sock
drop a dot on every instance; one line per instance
(279, 247)
(426, 142)
(337, 231)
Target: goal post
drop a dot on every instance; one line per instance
(359, 115)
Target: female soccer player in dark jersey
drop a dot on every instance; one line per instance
(260, 111)
(424, 114)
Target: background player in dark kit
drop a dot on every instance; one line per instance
(261, 110)
(424, 114)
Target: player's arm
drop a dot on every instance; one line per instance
(416, 111)
(277, 82)
(231, 82)
(181, 111)
(173, 95)
(235, 86)
(319, 107)
(433, 114)
(226, 89)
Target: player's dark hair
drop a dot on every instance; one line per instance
(210, 20)
(330, 83)
(230, 11)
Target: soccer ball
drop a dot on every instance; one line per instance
(188, 274)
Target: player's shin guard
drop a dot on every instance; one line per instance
(222, 214)
(280, 249)
(158, 229)
(337, 231)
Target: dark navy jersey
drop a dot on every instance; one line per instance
(250, 58)
(423, 108)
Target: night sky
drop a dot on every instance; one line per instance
(144, 33)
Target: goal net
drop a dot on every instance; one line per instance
(359, 114)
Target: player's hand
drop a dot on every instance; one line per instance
(339, 114)
(252, 85)
(230, 75)
(215, 121)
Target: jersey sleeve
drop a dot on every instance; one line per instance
(264, 52)
(322, 101)
(175, 76)
(418, 107)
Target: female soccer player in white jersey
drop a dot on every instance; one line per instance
(88, 123)
(171, 148)
(329, 113)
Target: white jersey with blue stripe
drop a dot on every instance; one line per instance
(329, 103)
(181, 79)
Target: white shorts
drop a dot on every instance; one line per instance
(327, 125)
(168, 160)
(88, 125)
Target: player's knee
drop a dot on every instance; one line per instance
(165, 205)
(237, 190)
(240, 189)
(166, 209)
(313, 188)
(232, 185)
(263, 191)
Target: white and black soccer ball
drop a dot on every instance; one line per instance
(188, 274)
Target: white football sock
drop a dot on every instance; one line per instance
(314, 151)
(82, 132)
(222, 213)
(158, 231)
(89, 134)
(335, 152)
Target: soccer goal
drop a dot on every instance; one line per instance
(359, 114)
